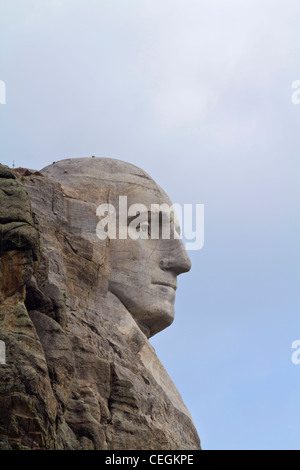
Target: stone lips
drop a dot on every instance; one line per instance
(80, 372)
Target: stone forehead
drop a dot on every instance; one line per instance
(109, 171)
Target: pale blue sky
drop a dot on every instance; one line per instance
(198, 94)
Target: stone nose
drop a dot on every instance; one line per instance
(176, 260)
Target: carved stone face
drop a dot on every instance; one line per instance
(144, 272)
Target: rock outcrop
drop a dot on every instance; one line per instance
(80, 372)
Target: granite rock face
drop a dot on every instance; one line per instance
(76, 313)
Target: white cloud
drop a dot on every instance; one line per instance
(198, 50)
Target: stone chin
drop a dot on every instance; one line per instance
(151, 317)
(160, 319)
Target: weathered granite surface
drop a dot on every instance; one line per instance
(76, 313)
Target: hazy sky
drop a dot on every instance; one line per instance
(198, 94)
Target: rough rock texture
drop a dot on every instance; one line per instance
(80, 372)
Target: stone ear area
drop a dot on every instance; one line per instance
(79, 374)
